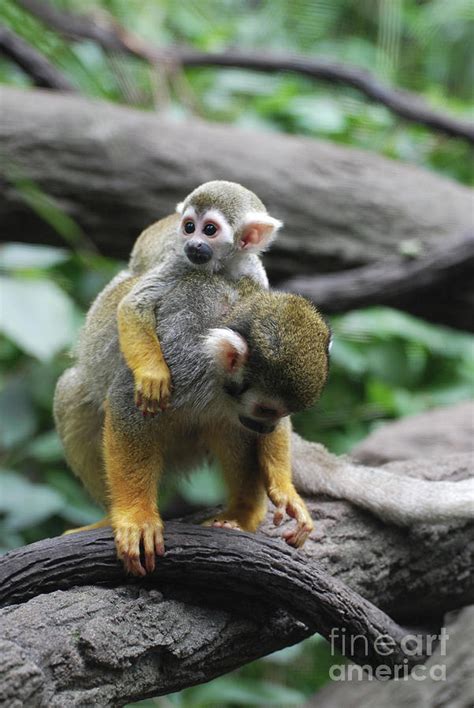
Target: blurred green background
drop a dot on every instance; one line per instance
(385, 364)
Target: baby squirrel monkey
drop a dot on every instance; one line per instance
(220, 227)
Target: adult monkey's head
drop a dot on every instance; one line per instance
(272, 357)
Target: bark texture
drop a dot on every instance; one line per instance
(249, 596)
(446, 679)
(427, 435)
(115, 170)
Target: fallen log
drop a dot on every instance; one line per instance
(114, 170)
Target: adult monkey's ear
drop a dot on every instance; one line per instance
(228, 349)
(179, 208)
(258, 231)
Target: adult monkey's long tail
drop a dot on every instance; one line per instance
(392, 497)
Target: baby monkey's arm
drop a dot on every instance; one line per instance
(140, 345)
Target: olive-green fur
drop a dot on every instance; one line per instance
(230, 198)
(285, 333)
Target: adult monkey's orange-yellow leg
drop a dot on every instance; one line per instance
(274, 453)
(247, 503)
(133, 465)
(143, 354)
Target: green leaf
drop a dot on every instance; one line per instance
(25, 504)
(17, 413)
(205, 487)
(79, 509)
(9, 539)
(19, 256)
(320, 114)
(46, 447)
(37, 315)
(243, 692)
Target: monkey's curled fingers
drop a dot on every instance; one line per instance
(130, 536)
(294, 506)
(152, 390)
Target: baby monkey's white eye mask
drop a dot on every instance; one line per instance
(253, 234)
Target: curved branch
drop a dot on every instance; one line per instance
(405, 104)
(108, 646)
(391, 281)
(256, 565)
(43, 73)
(112, 37)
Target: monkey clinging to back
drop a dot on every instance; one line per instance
(220, 227)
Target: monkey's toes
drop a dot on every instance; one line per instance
(294, 507)
(226, 524)
(298, 535)
(222, 523)
(130, 538)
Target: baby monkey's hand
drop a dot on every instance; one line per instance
(152, 389)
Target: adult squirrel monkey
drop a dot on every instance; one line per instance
(242, 359)
(220, 227)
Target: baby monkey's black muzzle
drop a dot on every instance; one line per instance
(198, 252)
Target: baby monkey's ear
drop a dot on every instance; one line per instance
(258, 231)
(179, 208)
(228, 349)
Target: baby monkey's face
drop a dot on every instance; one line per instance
(207, 235)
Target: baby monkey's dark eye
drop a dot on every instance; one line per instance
(210, 230)
(189, 227)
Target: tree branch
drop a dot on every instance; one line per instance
(213, 560)
(392, 281)
(43, 73)
(112, 37)
(249, 596)
(122, 169)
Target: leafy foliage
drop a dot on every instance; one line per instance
(385, 364)
(422, 46)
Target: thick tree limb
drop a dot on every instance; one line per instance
(91, 645)
(114, 38)
(43, 73)
(212, 560)
(393, 281)
(115, 170)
